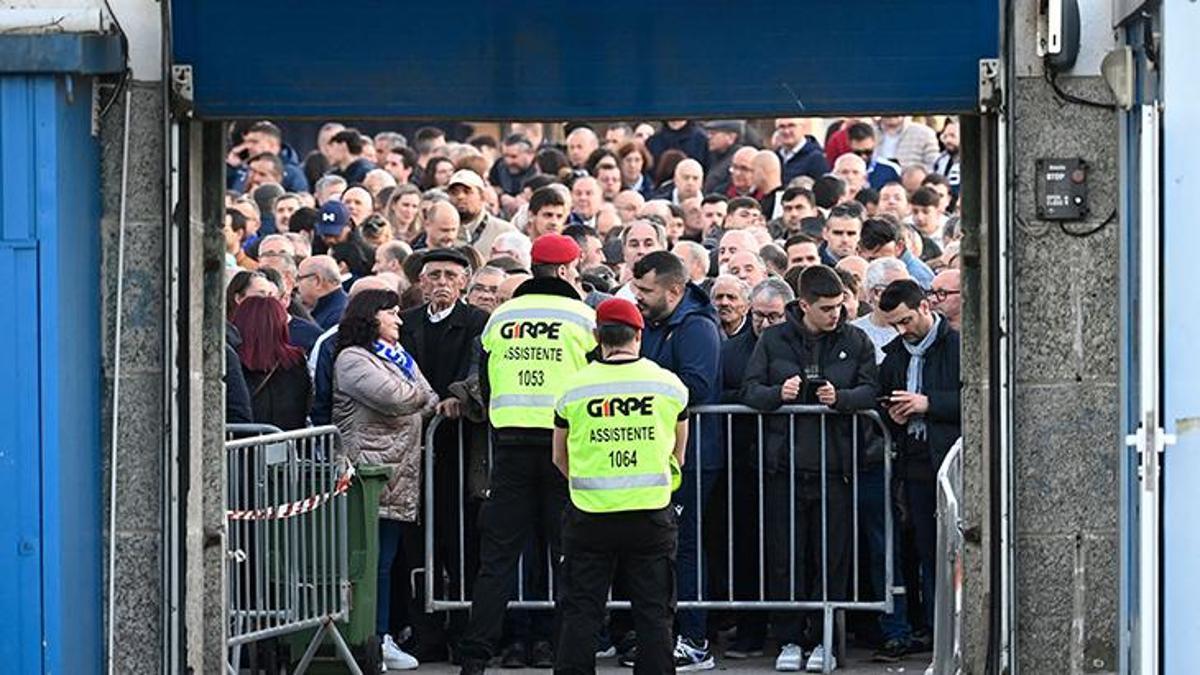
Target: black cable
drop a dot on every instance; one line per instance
(1052, 78)
(125, 76)
(1083, 234)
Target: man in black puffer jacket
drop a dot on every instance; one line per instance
(814, 357)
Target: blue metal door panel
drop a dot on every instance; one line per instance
(532, 59)
(1181, 326)
(20, 468)
(50, 451)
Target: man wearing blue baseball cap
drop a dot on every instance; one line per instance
(333, 223)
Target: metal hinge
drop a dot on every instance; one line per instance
(991, 96)
(182, 88)
(1150, 441)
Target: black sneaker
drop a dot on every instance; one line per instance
(628, 657)
(514, 656)
(627, 650)
(921, 641)
(542, 655)
(745, 648)
(892, 651)
(473, 667)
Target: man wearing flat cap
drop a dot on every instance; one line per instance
(531, 345)
(724, 139)
(438, 334)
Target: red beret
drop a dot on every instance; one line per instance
(618, 310)
(554, 249)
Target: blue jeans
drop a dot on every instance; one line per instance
(894, 626)
(691, 574)
(389, 546)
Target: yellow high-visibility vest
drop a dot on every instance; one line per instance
(621, 421)
(534, 342)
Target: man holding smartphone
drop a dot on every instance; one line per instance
(921, 379)
(813, 357)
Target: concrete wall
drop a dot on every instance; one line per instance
(1066, 382)
(139, 533)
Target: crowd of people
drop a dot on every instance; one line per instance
(795, 261)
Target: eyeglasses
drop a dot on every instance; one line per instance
(302, 277)
(394, 311)
(864, 152)
(767, 317)
(941, 293)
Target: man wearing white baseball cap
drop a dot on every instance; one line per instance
(480, 228)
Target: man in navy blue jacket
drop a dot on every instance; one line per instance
(799, 153)
(683, 335)
(264, 138)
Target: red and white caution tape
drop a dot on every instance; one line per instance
(296, 508)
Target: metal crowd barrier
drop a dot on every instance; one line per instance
(286, 546)
(730, 416)
(947, 615)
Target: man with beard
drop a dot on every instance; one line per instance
(480, 228)
(682, 334)
(920, 385)
(514, 167)
(947, 163)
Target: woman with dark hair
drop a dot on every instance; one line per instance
(437, 173)
(635, 164)
(275, 371)
(245, 285)
(665, 170)
(598, 155)
(380, 399)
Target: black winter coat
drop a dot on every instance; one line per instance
(942, 381)
(689, 139)
(846, 358)
(281, 398)
(237, 396)
(442, 350)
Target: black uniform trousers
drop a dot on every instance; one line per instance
(527, 492)
(637, 550)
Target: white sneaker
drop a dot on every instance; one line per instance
(790, 658)
(607, 653)
(395, 658)
(816, 661)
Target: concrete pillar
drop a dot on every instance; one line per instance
(139, 536)
(1064, 329)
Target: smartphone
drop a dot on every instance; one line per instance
(818, 382)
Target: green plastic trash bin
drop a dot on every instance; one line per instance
(362, 541)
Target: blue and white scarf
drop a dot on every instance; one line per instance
(916, 367)
(397, 355)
